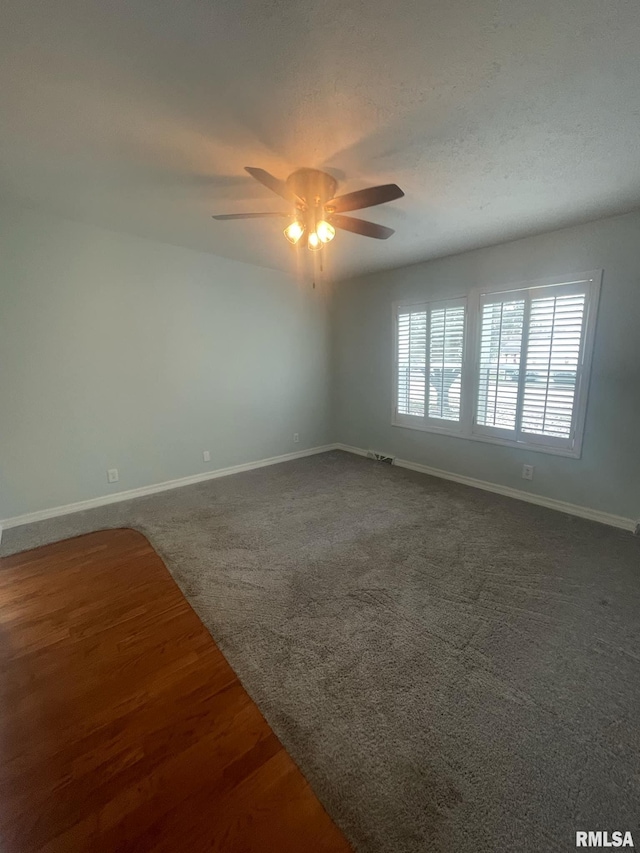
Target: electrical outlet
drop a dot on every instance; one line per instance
(527, 472)
(206, 455)
(112, 475)
(296, 438)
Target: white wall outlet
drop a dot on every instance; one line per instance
(112, 475)
(527, 472)
(206, 455)
(296, 438)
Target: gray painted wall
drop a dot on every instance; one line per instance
(117, 352)
(121, 352)
(607, 477)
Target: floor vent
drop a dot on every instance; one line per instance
(381, 457)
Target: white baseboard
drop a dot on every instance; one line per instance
(103, 500)
(550, 503)
(571, 509)
(351, 449)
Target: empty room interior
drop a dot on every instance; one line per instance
(319, 423)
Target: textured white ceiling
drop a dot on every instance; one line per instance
(498, 118)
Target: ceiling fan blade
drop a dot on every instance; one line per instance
(365, 198)
(274, 184)
(361, 226)
(248, 215)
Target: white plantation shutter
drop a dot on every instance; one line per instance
(522, 377)
(430, 347)
(446, 343)
(412, 347)
(553, 361)
(499, 365)
(529, 367)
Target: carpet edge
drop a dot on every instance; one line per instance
(588, 513)
(153, 488)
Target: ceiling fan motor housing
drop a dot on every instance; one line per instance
(316, 188)
(316, 208)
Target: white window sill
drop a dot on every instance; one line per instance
(572, 453)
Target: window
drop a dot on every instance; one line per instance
(500, 347)
(412, 359)
(430, 344)
(526, 378)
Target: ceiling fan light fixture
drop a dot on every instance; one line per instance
(316, 211)
(314, 242)
(294, 231)
(325, 231)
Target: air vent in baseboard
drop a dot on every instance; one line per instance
(381, 457)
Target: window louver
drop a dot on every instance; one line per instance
(430, 341)
(499, 367)
(412, 347)
(446, 341)
(529, 365)
(553, 359)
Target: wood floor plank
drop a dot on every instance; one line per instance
(122, 726)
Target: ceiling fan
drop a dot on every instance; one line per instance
(317, 211)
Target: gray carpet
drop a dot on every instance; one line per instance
(452, 670)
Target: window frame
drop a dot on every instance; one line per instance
(466, 427)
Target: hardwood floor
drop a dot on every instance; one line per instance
(122, 727)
